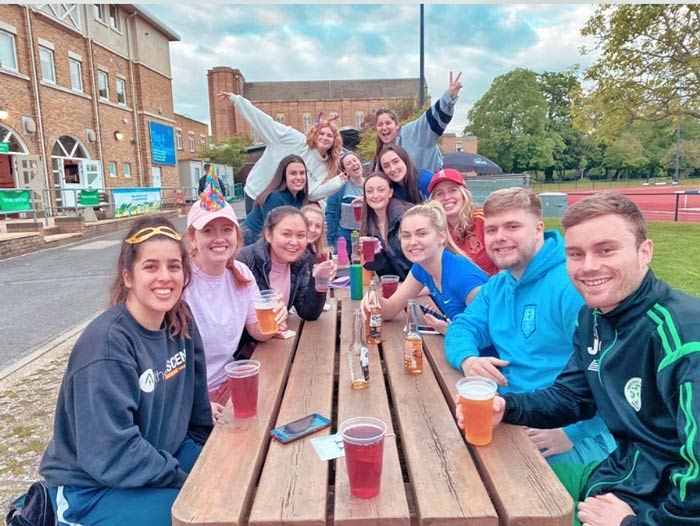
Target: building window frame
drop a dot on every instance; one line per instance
(359, 119)
(13, 51)
(121, 94)
(202, 143)
(103, 75)
(76, 75)
(112, 169)
(279, 117)
(46, 57)
(306, 121)
(190, 137)
(113, 19)
(178, 138)
(126, 168)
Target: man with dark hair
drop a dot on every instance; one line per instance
(203, 180)
(636, 363)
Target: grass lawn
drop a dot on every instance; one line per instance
(676, 253)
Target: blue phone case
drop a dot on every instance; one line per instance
(300, 428)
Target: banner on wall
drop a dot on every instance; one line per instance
(162, 143)
(133, 201)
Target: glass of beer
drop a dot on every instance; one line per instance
(363, 442)
(476, 395)
(242, 377)
(265, 302)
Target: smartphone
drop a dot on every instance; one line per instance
(300, 428)
(427, 329)
(432, 312)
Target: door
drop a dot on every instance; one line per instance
(155, 177)
(6, 179)
(91, 174)
(29, 171)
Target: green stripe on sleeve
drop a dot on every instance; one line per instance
(681, 480)
(685, 350)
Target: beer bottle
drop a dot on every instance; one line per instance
(412, 342)
(374, 316)
(358, 354)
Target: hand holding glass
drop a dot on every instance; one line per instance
(265, 303)
(476, 396)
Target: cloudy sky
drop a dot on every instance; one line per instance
(277, 42)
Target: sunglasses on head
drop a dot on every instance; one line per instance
(150, 231)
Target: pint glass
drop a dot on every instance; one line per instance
(476, 398)
(264, 303)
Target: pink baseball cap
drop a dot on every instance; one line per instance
(199, 217)
(446, 174)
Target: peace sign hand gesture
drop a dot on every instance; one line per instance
(455, 85)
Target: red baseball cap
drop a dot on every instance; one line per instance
(446, 174)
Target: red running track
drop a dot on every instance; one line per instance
(657, 204)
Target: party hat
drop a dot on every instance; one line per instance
(212, 198)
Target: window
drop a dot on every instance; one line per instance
(202, 142)
(178, 139)
(280, 117)
(121, 91)
(112, 169)
(101, 12)
(76, 75)
(307, 121)
(190, 136)
(127, 170)
(102, 84)
(114, 18)
(334, 115)
(359, 119)
(48, 73)
(8, 53)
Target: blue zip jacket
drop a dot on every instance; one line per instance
(253, 223)
(531, 323)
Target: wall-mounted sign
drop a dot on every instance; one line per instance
(133, 201)
(4, 147)
(162, 143)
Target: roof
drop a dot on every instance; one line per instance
(332, 89)
(172, 35)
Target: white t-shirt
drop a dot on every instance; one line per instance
(221, 310)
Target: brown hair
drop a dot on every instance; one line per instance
(369, 216)
(380, 144)
(320, 246)
(333, 153)
(238, 278)
(434, 211)
(604, 203)
(179, 317)
(279, 180)
(410, 181)
(515, 197)
(466, 214)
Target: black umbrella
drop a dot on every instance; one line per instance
(470, 162)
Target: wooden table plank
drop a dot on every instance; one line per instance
(524, 489)
(390, 507)
(446, 485)
(294, 481)
(219, 488)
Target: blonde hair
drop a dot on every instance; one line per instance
(515, 197)
(434, 211)
(465, 219)
(319, 247)
(333, 153)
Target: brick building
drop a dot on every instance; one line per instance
(86, 99)
(298, 103)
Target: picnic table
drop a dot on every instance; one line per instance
(430, 476)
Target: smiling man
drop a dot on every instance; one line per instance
(636, 362)
(527, 312)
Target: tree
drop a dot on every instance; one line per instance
(624, 154)
(231, 152)
(648, 68)
(510, 121)
(689, 157)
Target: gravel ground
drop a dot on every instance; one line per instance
(27, 404)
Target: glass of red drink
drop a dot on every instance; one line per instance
(242, 380)
(363, 442)
(357, 211)
(389, 285)
(369, 247)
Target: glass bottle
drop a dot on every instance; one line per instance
(412, 342)
(374, 316)
(355, 246)
(358, 354)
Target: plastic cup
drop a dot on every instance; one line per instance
(357, 211)
(363, 442)
(264, 303)
(389, 285)
(322, 276)
(476, 395)
(369, 245)
(242, 380)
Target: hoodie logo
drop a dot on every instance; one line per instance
(147, 381)
(527, 325)
(633, 393)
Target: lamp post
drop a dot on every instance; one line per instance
(421, 84)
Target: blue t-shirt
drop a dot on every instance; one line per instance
(459, 277)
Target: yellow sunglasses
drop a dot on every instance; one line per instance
(150, 231)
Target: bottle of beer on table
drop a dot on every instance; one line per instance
(374, 316)
(358, 354)
(412, 342)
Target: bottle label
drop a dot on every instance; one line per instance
(364, 363)
(375, 326)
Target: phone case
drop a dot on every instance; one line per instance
(435, 314)
(300, 428)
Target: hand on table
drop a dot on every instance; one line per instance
(485, 366)
(454, 86)
(499, 407)
(550, 441)
(603, 510)
(216, 411)
(438, 325)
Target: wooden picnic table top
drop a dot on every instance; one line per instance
(429, 477)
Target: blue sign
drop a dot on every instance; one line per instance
(162, 143)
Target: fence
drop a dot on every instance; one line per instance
(481, 186)
(658, 204)
(58, 201)
(19, 201)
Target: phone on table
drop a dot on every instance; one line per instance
(300, 428)
(427, 329)
(434, 313)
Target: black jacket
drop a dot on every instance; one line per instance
(203, 184)
(391, 259)
(302, 291)
(639, 366)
